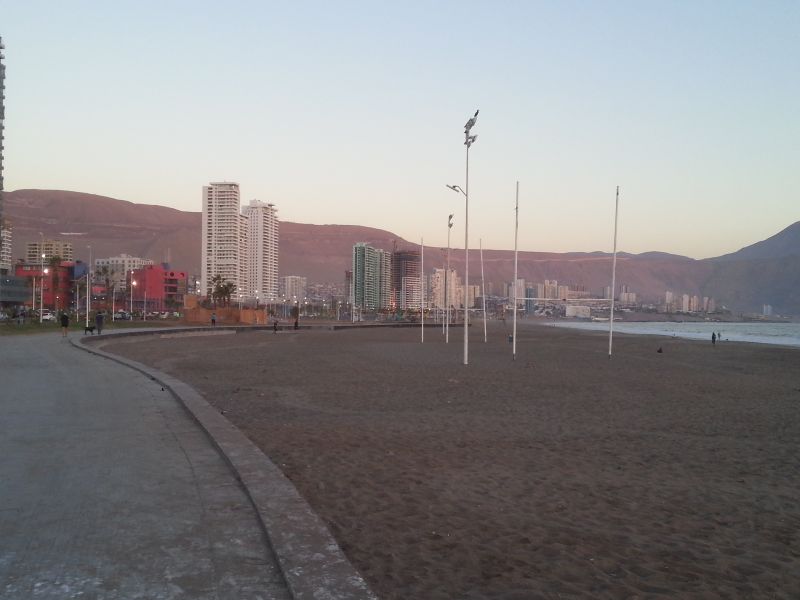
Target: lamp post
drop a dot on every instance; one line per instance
(133, 287)
(89, 286)
(41, 282)
(468, 141)
(41, 295)
(446, 290)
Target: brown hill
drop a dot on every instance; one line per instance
(322, 253)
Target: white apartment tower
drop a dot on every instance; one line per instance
(261, 251)
(222, 247)
(241, 246)
(5, 226)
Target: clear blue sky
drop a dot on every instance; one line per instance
(352, 112)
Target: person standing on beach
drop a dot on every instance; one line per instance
(713, 339)
(64, 324)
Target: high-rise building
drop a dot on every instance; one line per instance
(406, 279)
(116, 269)
(2, 121)
(240, 246)
(372, 273)
(5, 227)
(50, 249)
(261, 256)
(223, 234)
(294, 287)
(441, 283)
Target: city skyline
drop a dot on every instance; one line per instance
(354, 115)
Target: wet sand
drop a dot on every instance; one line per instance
(561, 475)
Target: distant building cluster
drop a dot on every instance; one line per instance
(684, 303)
(393, 281)
(239, 246)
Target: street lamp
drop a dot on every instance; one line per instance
(41, 295)
(41, 286)
(89, 286)
(468, 141)
(446, 275)
(133, 287)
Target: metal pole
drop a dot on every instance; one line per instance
(466, 261)
(421, 290)
(41, 281)
(483, 294)
(516, 234)
(88, 286)
(41, 298)
(447, 283)
(33, 296)
(613, 277)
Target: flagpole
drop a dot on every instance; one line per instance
(516, 235)
(613, 277)
(483, 294)
(422, 290)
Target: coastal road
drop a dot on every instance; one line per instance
(108, 489)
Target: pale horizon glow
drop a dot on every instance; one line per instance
(352, 113)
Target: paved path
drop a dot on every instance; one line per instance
(108, 489)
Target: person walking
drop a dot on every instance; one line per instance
(275, 326)
(98, 322)
(213, 319)
(713, 339)
(64, 324)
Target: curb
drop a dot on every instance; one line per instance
(313, 565)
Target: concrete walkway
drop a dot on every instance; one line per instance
(108, 489)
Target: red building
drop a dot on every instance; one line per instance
(53, 287)
(158, 288)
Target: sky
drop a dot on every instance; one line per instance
(353, 113)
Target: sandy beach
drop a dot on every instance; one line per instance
(561, 475)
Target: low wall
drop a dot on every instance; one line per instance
(227, 315)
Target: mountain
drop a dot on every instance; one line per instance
(767, 272)
(781, 245)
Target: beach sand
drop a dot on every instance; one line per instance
(561, 475)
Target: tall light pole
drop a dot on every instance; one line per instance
(469, 139)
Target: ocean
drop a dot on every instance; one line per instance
(781, 334)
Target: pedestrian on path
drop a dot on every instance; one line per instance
(64, 324)
(98, 322)
(213, 319)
